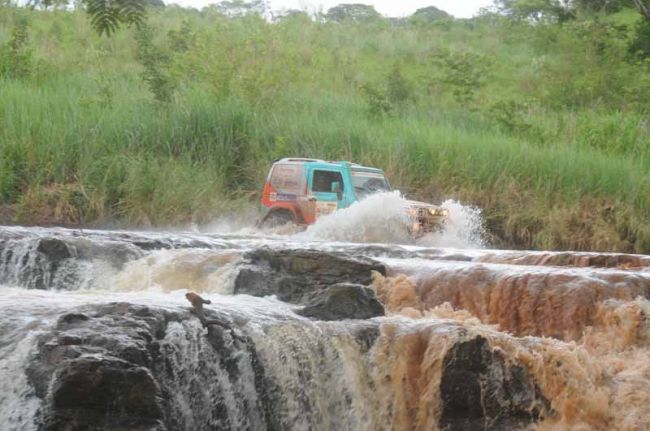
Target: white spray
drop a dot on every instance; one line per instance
(463, 229)
(381, 217)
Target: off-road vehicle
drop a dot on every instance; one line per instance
(299, 191)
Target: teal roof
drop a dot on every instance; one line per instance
(325, 164)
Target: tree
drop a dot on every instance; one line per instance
(106, 16)
(239, 8)
(352, 12)
(398, 89)
(606, 6)
(16, 54)
(155, 64)
(156, 4)
(429, 14)
(291, 14)
(464, 73)
(538, 10)
(640, 45)
(643, 6)
(560, 10)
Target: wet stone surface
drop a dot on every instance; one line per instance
(295, 276)
(129, 367)
(343, 301)
(112, 367)
(480, 391)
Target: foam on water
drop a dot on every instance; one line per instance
(379, 218)
(198, 270)
(582, 332)
(464, 228)
(382, 218)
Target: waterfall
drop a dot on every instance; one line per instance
(95, 332)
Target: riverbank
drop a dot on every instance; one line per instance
(97, 332)
(86, 141)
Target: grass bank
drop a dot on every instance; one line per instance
(84, 141)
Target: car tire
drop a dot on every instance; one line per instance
(276, 219)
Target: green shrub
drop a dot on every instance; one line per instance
(16, 55)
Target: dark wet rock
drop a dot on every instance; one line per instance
(118, 367)
(295, 276)
(343, 301)
(380, 250)
(33, 263)
(57, 262)
(62, 259)
(71, 318)
(366, 334)
(480, 391)
(94, 371)
(109, 328)
(130, 367)
(576, 259)
(152, 244)
(456, 257)
(54, 250)
(104, 393)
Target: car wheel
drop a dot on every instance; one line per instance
(277, 218)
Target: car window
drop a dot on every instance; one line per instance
(323, 180)
(287, 178)
(366, 183)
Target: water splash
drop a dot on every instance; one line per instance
(380, 218)
(464, 228)
(197, 270)
(582, 332)
(18, 404)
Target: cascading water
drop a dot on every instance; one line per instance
(94, 322)
(380, 218)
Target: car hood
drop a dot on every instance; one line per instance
(418, 204)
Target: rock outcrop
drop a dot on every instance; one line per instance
(130, 367)
(110, 367)
(344, 301)
(295, 276)
(480, 391)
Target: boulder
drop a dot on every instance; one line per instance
(119, 366)
(479, 390)
(104, 393)
(130, 367)
(94, 369)
(54, 250)
(295, 276)
(343, 301)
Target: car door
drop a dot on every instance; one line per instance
(323, 188)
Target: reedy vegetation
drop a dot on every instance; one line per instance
(544, 126)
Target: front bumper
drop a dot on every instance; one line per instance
(427, 220)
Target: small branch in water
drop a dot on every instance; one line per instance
(197, 304)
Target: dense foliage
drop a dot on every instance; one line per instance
(543, 123)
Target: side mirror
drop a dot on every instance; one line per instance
(336, 188)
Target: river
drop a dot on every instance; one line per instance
(472, 338)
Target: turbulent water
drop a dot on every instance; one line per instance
(576, 323)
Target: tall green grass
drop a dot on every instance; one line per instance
(250, 92)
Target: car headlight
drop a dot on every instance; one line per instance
(438, 212)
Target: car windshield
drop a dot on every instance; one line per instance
(367, 183)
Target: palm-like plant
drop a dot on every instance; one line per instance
(106, 16)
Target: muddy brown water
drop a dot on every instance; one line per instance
(576, 323)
